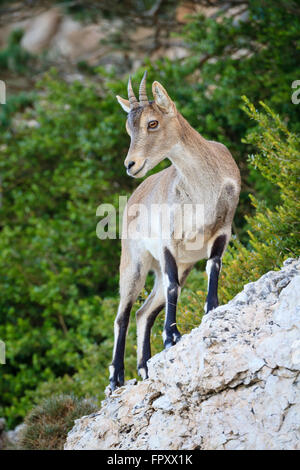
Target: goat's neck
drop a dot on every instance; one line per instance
(193, 161)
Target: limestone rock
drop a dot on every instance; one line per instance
(9, 440)
(2, 434)
(232, 383)
(41, 30)
(14, 436)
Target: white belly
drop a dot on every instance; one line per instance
(185, 251)
(181, 231)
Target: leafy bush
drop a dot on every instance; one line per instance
(14, 57)
(14, 60)
(54, 271)
(47, 425)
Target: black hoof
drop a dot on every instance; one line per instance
(143, 371)
(210, 304)
(168, 344)
(172, 338)
(117, 379)
(176, 337)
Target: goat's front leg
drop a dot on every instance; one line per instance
(116, 369)
(133, 273)
(171, 334)
(130, 285)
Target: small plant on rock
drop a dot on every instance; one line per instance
(47, 425)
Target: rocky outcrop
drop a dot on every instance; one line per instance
(63, 39)
(66, 40)
(232, 383)
(10, 440)
(2, 433)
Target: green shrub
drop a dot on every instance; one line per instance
(47, 425)
(14, 58)
(54, 271)
(15, 62)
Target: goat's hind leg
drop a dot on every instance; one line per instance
(145, 318)
(171, 334)
(213, 268)
(174, 276)
(132, 280)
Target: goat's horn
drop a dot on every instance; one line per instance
(131, 96)
(143, 99)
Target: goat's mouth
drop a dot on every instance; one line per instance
(139, 170)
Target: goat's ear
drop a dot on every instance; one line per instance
(162, 99)
(124, 103)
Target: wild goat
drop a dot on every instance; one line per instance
(203, 173)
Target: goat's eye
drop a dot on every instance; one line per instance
(152, 124)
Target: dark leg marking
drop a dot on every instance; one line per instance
(212, 295)
(171, 267)
(171, 333)
(117, 377)
(146, 354)
(137, 275)
(218, 246)
(214, 266)
(185, 275)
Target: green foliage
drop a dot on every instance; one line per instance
(54, 271)
(47, 425)
(14, 57)
(14, 104)
(257, 56)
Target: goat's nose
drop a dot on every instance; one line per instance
(130, 165)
